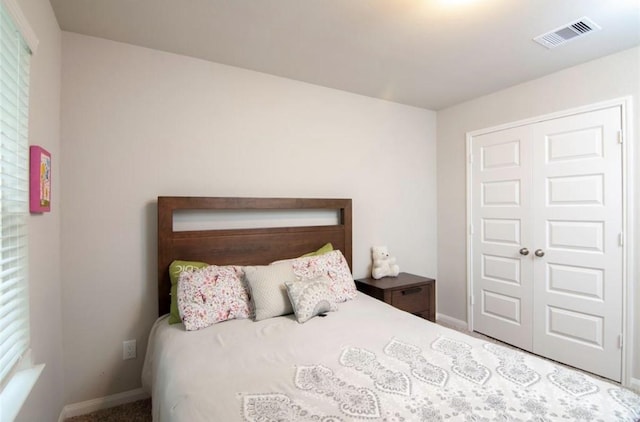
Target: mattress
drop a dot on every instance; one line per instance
(367, 361)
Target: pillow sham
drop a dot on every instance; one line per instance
(334, 266)
(268, 292)
(175, 269)
(212, 294)
(327, 247)
(310, 298)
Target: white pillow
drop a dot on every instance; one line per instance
(268, 291)
(311, 297)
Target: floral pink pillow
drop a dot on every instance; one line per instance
(332, 265)
(212, 294)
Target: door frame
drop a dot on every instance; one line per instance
(628, 217)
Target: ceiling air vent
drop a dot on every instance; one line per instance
(567, 33)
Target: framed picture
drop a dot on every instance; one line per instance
(39, 179)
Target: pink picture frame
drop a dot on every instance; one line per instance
(39, 180)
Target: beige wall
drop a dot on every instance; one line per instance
(46, 400)
(603, 79)
(138, 123)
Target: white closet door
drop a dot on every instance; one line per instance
(502, 276)
(577, 221)
(553, 188)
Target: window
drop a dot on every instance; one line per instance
(14, 194)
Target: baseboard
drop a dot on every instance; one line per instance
(635, 385)
(457, 323)
(84, 407)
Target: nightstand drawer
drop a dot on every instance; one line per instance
(409, 292)
(412, 299)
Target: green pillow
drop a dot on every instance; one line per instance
(327, 247)
(175, 269)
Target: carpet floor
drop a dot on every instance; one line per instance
(137, 411)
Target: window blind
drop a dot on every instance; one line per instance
(14, 194)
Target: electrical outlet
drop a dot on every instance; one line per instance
(128, 349)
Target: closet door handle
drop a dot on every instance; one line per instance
(539, 253)
(524, 251)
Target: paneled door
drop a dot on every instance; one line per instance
(502, 208)
(547, 255)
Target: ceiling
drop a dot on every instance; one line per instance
(425, 53)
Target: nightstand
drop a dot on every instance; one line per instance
(409, 292)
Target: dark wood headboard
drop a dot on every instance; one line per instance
(249, 246)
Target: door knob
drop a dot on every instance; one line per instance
(524, 251)
(539, 253)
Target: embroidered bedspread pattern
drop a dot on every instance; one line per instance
(365, 362)
(449, 381)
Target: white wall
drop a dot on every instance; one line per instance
(46, 399)
(138, 123)
(607, 78)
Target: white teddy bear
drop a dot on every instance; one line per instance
(383, 264)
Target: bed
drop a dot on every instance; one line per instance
(366, 361)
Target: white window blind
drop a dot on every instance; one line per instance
(14, 194)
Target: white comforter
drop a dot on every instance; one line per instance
(367, 361)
